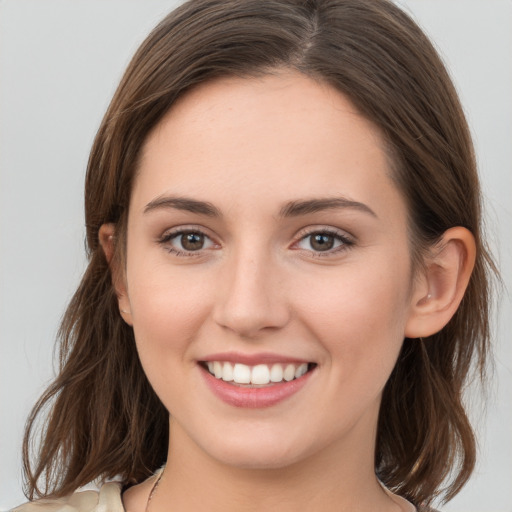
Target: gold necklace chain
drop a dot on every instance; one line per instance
(153, 490)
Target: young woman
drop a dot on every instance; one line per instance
(287, 283)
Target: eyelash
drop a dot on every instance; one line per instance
(168, 237)
(345, 242)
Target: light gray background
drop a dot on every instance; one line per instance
(59, 64)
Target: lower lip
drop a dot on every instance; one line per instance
(254, 398)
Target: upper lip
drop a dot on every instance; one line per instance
(253, 359)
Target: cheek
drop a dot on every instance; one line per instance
(168, 309)
(168, 312)
(359, 316)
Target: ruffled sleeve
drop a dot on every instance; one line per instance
(108, 499)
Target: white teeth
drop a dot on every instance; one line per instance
(227, 372)
(289, 372)
(276, 373)
(217, 369)
(241, 374)
(301, 370)
(259, 374)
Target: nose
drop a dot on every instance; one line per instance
(251, 297)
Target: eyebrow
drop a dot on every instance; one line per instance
(290, 209)
(185, 204)
(297, 208)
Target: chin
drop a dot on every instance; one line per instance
(257, 459)
(263, 451)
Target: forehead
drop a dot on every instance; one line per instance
(271, 137)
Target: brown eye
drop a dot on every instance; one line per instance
(328, 242)
(192, 241)
(322, 241)
(183, 243)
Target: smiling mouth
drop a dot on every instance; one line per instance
(257, 375)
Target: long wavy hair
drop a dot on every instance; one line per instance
(102, 416)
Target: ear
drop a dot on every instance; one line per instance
(107, 241)
(439, 290)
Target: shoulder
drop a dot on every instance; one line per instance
(107, 498)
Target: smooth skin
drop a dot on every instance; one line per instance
(255, 279)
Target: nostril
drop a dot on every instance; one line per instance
(251, 304)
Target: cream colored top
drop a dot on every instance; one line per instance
(108, 499)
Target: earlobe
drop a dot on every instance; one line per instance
(107, 240)
(441, 289)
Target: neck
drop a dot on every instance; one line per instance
(340, 478)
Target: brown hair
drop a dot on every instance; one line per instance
(105, 419)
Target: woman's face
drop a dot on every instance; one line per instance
(267, 239)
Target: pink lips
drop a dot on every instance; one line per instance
(253, 397)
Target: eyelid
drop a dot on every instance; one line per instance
(185, 228)
(347, 239)
(321, 228)
(169, 234)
